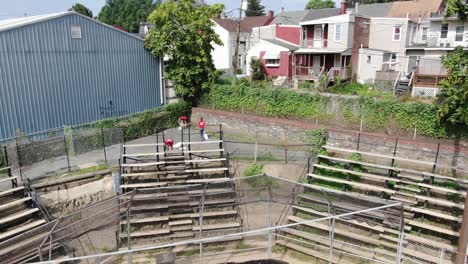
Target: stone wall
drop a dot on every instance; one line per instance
(291, 131)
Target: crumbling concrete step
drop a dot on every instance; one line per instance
(180, 222)
(14, 203)
(21, 229)
(8, 179)
(17, 216)
(10, 191)
(146, 220)
(216, 226)
(146, 233)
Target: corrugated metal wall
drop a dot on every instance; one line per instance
(48, 79)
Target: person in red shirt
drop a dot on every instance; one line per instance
(169, 143)
(183, 121)
(201, 125)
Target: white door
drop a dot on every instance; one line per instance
(318, 36)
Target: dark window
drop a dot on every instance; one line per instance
(444, 31)
(459, 33)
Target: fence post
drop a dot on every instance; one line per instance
(19, 158)
(401, 237)
(436, 158)
(157, 146)
(66, 152)
(104, 144)
(269, 222)
(415, 132)
(394, 152)
(358, 141)
(442, 253)
(129, 239)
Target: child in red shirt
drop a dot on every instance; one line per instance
(169, 143)
(201, 125)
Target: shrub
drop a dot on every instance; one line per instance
(316, 138)
(258, 70)
(253, 169)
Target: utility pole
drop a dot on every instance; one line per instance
(463, 239)
(236, 53)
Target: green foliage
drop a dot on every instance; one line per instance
(184, 33)
(320, 4)
(127, 13)
(453, 98)
(260, 98)
(254, 8)
(253, 169)
(316, 138)
(457, 8)
(257, 70)
(363, 90)
(81, 9)
(176, 110)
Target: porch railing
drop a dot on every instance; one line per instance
(311, 43)
(307, 72)
(427, 80)
(338, 72)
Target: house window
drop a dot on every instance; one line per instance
(459, 33)
(393, 57)
(424, 34)
(272, 62)
(76, 32)
(337, 32)
(369, 59)
(444, 31)
(396, 33)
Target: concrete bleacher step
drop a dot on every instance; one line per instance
(436, 214)
(182, 204)
(20, 229)
(413, 177)
(433, 228)
(154, 219)
(14, 203)
(19, 215)
(143, 185)
(181, 228)
(430, 242)
(363, 186)
(216, 226)
(407, 188)
(146, 233)
(438, 201)
(10, 191)
(6, 179)
(311, 252)
(205, 214)
(369, 176)
(337, 231)
(404, 200)
(326, 241)
(180, 222)
(185, 234)
(353, 222)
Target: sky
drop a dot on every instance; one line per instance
(18, 8)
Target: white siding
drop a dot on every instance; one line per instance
(366, 69)
(221, 54)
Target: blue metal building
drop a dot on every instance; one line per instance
(68, 69)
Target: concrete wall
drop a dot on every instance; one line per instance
(367, 69)
(291, 34)
(222, 54)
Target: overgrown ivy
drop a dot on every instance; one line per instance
(377, 114)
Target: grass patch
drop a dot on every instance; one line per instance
(360, 90)
(88, 170)
(241, 246)
(188, 253)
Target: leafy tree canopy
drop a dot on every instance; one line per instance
(127, 13)
(320, 4)
(79, 8)
(184, 33)
(453, 98)
(254, 8)
(457, 8)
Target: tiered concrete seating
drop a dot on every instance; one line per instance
(169, 190)
(431, 205)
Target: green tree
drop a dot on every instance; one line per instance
(184, 33)
(457, 8)
(79, 8)
(127, 13)
(254, 8)
(320, 4)
(453, 98)
(257, 70)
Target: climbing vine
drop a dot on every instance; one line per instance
(376, 113)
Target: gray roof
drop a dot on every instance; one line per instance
(373, 10)
(321, 13)
(290, 17)
(369, 10)
(282, 43)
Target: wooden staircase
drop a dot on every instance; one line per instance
(178, 194)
